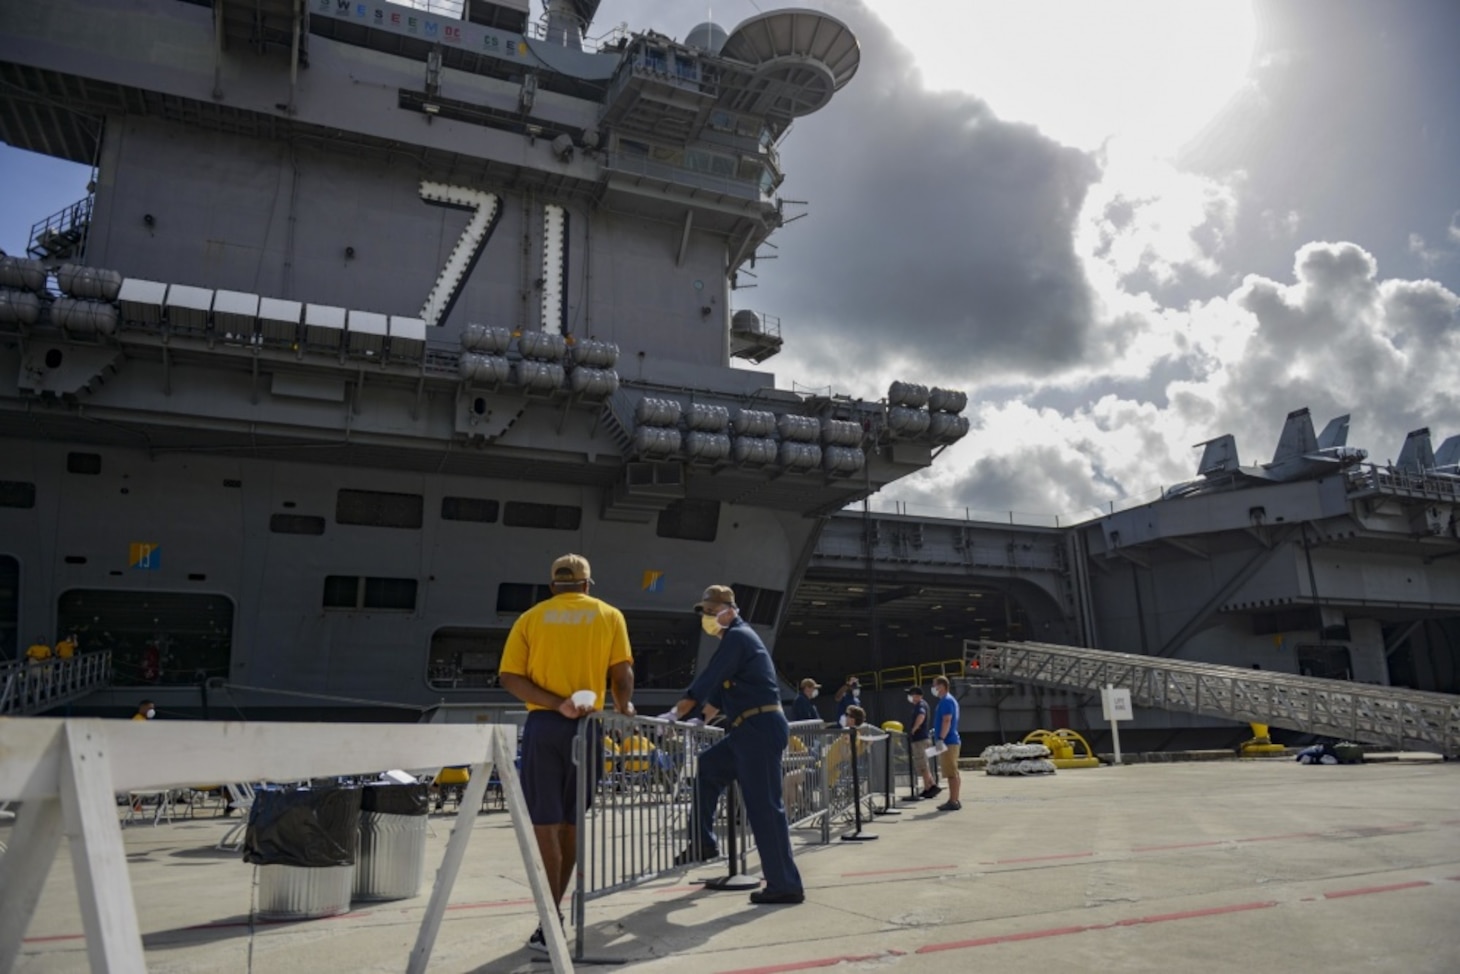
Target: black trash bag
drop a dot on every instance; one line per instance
(303, 827)
(394, 799)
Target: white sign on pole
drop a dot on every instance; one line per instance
(1115, 704)
(1115, 707)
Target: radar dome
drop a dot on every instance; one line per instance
(708, 36)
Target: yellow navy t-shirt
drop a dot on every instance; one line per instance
(567, 644)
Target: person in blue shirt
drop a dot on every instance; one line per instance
(741, 680)
(803, 708)
(945, 731)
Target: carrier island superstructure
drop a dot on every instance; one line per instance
(374, 310)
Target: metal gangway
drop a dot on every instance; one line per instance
(28, 688)
(1367, 714)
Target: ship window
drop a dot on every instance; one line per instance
(9, 607)
(690, 520)
(296, 524)
(468, 509)
(722, 121)
(758, 605)
(633, 147)
(1329, 662)
(155, 638)
(17, 493)
(520, 596)
(378, 509)
(464, 658)
(86, 463)
(553, 517)
(664, 649)
(698, 160)
(360, 592)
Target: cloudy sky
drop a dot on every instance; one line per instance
(1122, 227)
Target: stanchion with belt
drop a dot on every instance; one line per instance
(914, 794)
(856, 835)
(736, 880)
(887, 799)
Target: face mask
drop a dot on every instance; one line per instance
(815, 694)
(151, 713)
(709, 625)
(912, 700)
(842, 720)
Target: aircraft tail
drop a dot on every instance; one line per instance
(1417, 456)
(1297, 439)
(1448, 455)
(1335, 433)
(1220, 456)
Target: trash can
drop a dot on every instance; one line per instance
(392, 859)
(303, 841)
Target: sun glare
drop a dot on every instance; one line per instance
(1150, 72)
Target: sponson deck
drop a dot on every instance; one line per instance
(1220, 866)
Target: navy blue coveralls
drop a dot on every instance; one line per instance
(742, 682)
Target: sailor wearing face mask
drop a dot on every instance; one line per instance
(741, 680)
(850, 695)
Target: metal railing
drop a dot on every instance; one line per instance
(62, 235)
(30, 688)
(1364, 713)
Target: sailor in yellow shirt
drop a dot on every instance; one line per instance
(66, 648)
(39, 651)
(570, 642)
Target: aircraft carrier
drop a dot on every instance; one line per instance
(373, 310)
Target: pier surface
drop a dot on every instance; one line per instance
(1210, 866)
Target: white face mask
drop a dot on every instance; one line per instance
(912, 700)
(842, 720)
(151, 713)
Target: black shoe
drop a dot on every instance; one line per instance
(932, 791)
(693, 854)
(537, 941)
(764, 897)
(950, 806)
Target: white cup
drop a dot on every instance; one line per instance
(584, 698)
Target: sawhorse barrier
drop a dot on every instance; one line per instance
(66, 774)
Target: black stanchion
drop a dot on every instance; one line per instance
(736, 880)
(856, 835)
(887, 798)
(914, 793)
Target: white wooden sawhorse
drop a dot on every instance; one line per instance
(66, 774)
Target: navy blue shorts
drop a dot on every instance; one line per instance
(549, 776)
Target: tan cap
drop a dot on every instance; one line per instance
(808, 682)
(572, 568)
(716, 595)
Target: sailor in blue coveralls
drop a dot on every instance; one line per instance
(742, 682)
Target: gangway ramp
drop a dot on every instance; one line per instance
(27, 688)
(1388, 716)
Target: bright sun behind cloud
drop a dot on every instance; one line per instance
(1150, 72)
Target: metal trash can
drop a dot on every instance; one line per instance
(392, 859)
(303, 841)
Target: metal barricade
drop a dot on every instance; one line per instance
(639, 774)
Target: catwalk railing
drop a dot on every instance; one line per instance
(31, 688)
(1360, 712)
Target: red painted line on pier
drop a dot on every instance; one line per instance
(1063, 855)
(910, 869)
(1210, 911)
(807, 965)
(1178, 845)
(490, 904)
(1279, 838)
(58, 937)
(1365, 891)
(1066, 931)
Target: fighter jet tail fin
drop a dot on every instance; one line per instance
(1448, 455)
(1417, 456)
(1297, 439)
(1220, 456)
(1335, 433)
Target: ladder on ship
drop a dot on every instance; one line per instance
(1388, 716)
(27, 688)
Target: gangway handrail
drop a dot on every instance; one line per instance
(1389, 716)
